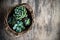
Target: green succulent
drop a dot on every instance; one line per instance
(20, 12)
(18, 26)
(27, 21)
(15, 20)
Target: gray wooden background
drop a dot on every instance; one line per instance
(46, 24)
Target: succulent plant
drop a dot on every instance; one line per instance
(15, 20)
(20, 12)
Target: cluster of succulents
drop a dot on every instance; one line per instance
(19, 14)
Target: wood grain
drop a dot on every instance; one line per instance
(46, 24)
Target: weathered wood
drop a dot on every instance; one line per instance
(46, 24)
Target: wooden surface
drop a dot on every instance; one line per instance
(46, 24)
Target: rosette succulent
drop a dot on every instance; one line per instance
(19, 19)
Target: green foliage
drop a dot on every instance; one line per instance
(27, 21)
(18, 26)
(20, 13)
